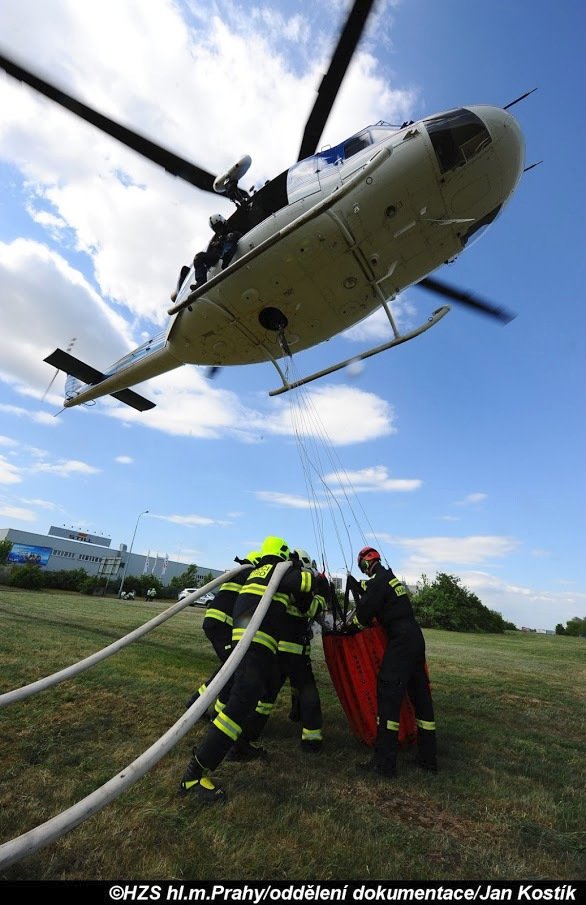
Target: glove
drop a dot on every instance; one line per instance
(320, 585)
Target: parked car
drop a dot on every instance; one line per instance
(203, 601)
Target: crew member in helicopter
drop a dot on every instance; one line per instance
(222, 246)
(402, 671)
(217, 623)
(254, 674)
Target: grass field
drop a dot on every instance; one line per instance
(508, 802)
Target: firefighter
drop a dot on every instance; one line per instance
(254, 673)
(217, 623)
(222, 246)
(402, 670)
(294, 663)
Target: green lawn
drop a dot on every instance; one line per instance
(508, 802)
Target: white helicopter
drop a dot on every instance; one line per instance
(323, 244)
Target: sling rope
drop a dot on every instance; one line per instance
(336, 494)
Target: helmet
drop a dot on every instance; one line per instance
(275, 546)
(368, 559)
(304, 558)
(216, 221)
(253, 557)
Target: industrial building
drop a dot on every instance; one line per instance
(67, 548)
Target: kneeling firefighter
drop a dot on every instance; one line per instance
(402, 670)
(253, 675)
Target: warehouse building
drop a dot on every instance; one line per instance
(67, 548)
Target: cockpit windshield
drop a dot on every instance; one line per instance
(456, 137)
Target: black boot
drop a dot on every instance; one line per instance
(194, 781)
(426, 750)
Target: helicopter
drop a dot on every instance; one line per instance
(323, 244)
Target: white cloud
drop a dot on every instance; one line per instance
(124, 460)
(9, 473)
(377, 329)
(7, 441)
(19, 412)
(287, 500)
(375, 479)
(16, 512)
(189, 521)
(523, 604)
(439, 552)
(344, 414)
(50, 303)
(42, 504)
(472, 499)
(64, 468)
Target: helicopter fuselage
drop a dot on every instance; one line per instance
(330, 240)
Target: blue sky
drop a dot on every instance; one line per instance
(465, 448)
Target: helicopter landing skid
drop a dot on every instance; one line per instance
(431, 321)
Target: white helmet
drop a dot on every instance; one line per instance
(306, 561)
(217, 220)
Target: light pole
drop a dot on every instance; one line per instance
(130, 552)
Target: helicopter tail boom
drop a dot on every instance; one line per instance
(82, 371)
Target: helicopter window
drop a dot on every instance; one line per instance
(302, 171)
(456, 137)
(357, 143)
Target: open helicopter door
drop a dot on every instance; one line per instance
(353, 662)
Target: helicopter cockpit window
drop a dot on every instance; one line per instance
(357, 143)
(456, 137)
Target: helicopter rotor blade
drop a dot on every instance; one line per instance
(330, 84)
(466, 298)
(171, 162)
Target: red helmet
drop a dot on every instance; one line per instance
(368, 559)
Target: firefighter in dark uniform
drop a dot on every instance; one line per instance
(402, 670)
(217, 623)
(294, 663)
(222, 246)
(255, 671)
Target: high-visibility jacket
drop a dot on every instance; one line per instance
(295, 581)
(221, 608)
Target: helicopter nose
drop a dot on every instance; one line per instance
(508, 142)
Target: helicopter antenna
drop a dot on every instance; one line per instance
(522, 98)
(531, 166)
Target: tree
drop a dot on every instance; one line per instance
(5, 548)
(27, 576)
(560, 630)
(445, 603)
(576, 627)
(187, 579)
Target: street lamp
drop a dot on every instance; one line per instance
(130, 552)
